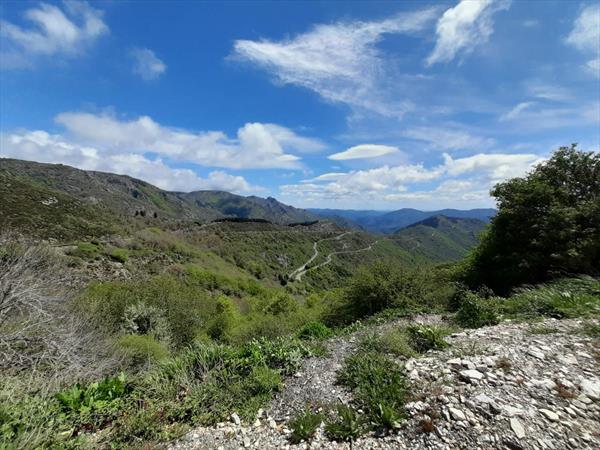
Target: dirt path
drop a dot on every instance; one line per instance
(296, 275)
(315, 381)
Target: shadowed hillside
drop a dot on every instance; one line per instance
(440, 238)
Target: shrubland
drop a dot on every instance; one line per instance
(203, 325)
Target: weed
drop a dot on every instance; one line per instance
(304, 426)
(541, 329)
(347, 426)
(314, 330)
(424, 338)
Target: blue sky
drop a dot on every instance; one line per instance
(377, 105)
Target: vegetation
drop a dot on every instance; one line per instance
(304, 425)
(379, 388)
(547, 226)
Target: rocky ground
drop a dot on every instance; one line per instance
(511, 386)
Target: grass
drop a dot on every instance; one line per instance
(304, 426)
(409, 341)
(379, 388)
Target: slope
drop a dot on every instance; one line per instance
(440, 238)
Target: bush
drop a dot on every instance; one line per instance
(142, 319)
(264, 380)
(314, 330)
(304, 426)
(141, 350)
(424, 338)
(394, 342)
(119, 254)
(547, 225)
(475, 312)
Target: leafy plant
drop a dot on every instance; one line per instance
(304, 426)
(424, 338)
(475, 313)
(314, 330)
(347, 426)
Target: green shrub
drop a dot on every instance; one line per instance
(394, 342)
(87, 250)
(314, 330)
(424, 337)
(142, 349)
(475, 313)
(304, 426)
(142, 319)
(264, 380)
(346, 427)
(226, 319)
(118, 254)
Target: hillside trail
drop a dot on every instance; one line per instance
(297, 274)
(302, 269)
(315, 381)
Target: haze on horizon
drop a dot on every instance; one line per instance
(362, 105)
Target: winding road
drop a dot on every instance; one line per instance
(297, 274)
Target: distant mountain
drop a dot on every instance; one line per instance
(387, 222)
(440, 238)
(68, 201)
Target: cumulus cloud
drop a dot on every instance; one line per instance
(460, 180)
(50, 148)
(256, 145)
(448, 138)
(338, 61)
(146, 64)
(54, 31)
(462, 28)
(363, 151)
(585, 36)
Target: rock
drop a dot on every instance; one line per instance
(471, 375)
(591, 388)
(511, 411)
(235, 418)
(456, 362)
(457, 414)
(482, 398)
(247, 442)
(517, 428)
(550, 415)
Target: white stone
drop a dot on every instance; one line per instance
(591, 388)
(471, 374)
(517, 428)
(235, 418)
(457, 414)
(550, 415)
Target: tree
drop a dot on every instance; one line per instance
(548, 225)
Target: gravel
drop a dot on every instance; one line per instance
(519, 400)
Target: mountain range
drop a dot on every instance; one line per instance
(62, 200)
(388, 222)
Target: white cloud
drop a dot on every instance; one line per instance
(448, 138)
(340, 61)
(44, 147)
(494, 166)
(256, 145)
(464, 27)
(464, 181)
(546, 91)
(585, 36)
(363, 151)
(146, 64)
(54, 32)
(516, 111)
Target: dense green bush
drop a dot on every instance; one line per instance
(314, 330)
(141, 350)
(475, 312)
(547, 225)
